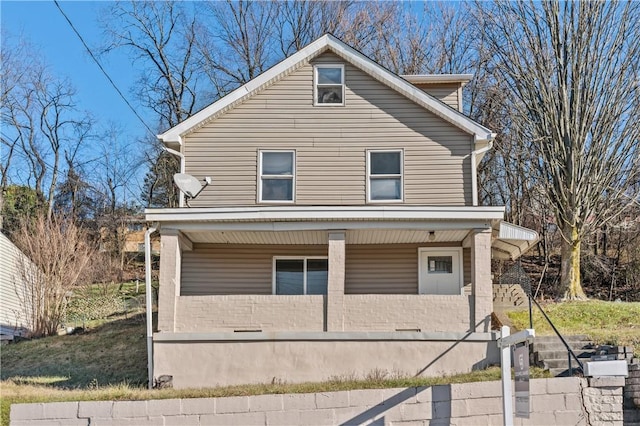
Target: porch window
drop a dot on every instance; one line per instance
(384, 178)
(329, 84)
(303, 275)
(277, 176)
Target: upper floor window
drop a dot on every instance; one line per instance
(384, 169)
(329, 82)
(277, 176)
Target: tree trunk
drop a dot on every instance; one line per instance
(570, 277)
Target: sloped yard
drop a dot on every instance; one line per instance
(610, 323)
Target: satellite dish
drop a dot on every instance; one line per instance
(189, 185)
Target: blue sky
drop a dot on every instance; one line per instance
(42, 23)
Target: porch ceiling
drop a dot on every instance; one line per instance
(353, 236)
(288, 225)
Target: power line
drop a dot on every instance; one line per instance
(102, 69)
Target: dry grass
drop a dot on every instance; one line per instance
(612, 323)
(109, 354)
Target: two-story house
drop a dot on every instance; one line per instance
(341, 232)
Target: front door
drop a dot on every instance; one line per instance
(440, 270)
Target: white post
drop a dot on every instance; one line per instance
(505, 363)
(149, 301)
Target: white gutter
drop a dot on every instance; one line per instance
(149, 300)
(438, 78)
(474, 169)
(181, 155)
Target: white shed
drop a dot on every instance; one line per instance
(14, 316)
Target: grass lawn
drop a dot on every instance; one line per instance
(611, 323)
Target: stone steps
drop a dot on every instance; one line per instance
(551, 354)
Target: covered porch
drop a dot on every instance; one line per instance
(374, 305)
(363, 269)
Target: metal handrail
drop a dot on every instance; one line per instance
(570, 352)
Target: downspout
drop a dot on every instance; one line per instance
(149, 300)
(474, 167)
(181, 155)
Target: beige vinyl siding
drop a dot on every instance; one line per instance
(225, 269)
(13, 313)
(330, 144)
(216, 269)
(388, 269)
(449, 93)
(381, 269)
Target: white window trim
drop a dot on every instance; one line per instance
(304, 271)
(292, 177)
(401, 199)
(435, 251)
(315, 85)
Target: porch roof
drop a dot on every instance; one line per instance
(323, 213)
(364, 225)
(512, 241)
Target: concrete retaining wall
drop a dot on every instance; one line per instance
(559, 401)
(632, 396)
(190, 364)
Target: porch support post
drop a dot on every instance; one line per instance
(335, 285)
(170, 265)
(481, 279)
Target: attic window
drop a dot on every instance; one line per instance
(329, 84)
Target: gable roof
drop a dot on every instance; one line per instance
(323, 44)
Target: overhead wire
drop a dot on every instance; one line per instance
(86, 46)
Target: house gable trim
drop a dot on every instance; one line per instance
(303, 56)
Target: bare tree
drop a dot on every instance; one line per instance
(62, 132)
(11, 75)
(161, 37)
(19, 125)
(41, 125)
(117, 165)
(299, 22)
(573, 70)
(56, 257)
(237, 46)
